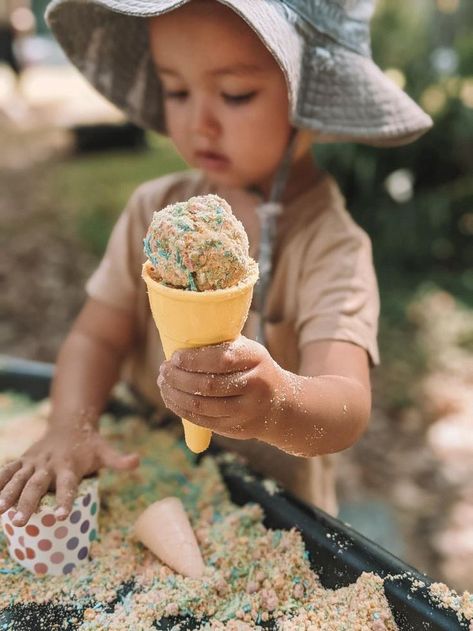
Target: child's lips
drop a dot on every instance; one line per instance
(211, 160)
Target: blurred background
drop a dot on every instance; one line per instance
(69, 161)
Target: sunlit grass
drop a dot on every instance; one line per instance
(93, 189)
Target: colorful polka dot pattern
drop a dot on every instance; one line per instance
(46, 546)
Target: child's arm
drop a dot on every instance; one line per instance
(337, 388)
(87, 368)
(237, 390)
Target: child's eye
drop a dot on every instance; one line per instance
(179, 95)
(238, 99)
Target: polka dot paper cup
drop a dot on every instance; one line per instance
(46, 546)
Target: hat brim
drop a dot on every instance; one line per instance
(343, 98)
(345, 95)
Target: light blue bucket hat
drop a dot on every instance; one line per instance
(322, 46)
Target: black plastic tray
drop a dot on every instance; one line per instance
(337, 552)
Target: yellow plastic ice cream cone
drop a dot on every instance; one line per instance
(189, 319)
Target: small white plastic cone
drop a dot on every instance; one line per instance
(165, 529)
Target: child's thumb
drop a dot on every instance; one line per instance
(115, 460)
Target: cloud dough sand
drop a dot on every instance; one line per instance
(198, 245)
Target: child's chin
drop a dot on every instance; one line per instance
(226, 179)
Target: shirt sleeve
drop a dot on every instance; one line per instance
(338, 294)
(115, 281)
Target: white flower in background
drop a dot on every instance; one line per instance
(444, 60)
(400, 185)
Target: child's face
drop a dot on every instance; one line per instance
(226, 100)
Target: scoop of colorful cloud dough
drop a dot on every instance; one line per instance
(198, 245)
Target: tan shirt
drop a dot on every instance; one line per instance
(323, 287)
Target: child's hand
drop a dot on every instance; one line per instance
(58, 461)
(231, 388)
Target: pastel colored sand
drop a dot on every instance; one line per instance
(197, 245)
(252, 573)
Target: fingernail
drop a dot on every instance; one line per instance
(60, 513)
(2, 505)
(18, 517)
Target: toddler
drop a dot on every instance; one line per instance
(243, 88)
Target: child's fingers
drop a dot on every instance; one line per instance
(210, 422)
(12, 490)
(67, 483)
(6, 473)
(213, 385)
(33, 491)
(226, 426)
(229, 357)
(214, 407)
(113, 459)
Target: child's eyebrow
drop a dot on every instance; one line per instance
(235, 69)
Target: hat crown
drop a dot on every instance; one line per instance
(345, 21)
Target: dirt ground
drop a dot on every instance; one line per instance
(37, 251)
(407, 484)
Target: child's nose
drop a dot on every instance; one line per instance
(204, 120)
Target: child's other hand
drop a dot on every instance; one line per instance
(230, 388)
(58, 461)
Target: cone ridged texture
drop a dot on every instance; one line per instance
(189, 319)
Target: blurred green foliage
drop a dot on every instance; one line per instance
(416, 202)
(39, 8)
